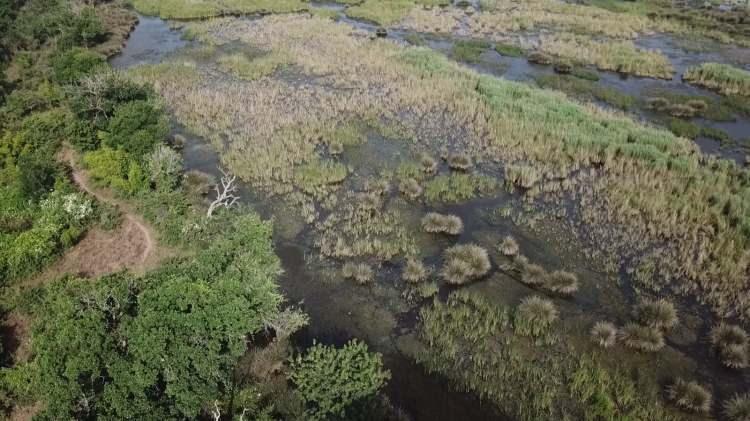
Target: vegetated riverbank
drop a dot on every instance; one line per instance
(342, 160)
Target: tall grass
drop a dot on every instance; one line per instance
(192, 9)
(724, 78)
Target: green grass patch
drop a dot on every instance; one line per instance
(252, 68)
(192, 9)
(458, 187)
(586, 74)
(509, 50)
(388, 12)
(587, 90)
(314, 175)
(723, 78)
(469, 50)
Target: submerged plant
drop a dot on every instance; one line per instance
(509, 246)
(737, 408)
(465, 262)
(360, 272)
(410, 188)
(690, 396)
(438, 223)
(642, 338)
(562, 282)
(659, 314)
(604, 334)
(414, 271)
(533, 274)
(459, 161)
(534, 316)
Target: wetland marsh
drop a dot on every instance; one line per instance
(514, 252)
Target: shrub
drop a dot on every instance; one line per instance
(438, 223)
(642, 338)
(136, 127)
(459, 161)
(659, 314)
(737, 408)
(509, 246)
(562, 282)
(465, 262)
(360, 272)
(534, 316)
(73, 64)
(330, 380)
(164, 166)
(113, 168)
(101, 93)
(690, 396)
(414, 271)
(533, 274)
(604, 334)
(84, 29)
(411, 188)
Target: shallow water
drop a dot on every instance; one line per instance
(340, 310)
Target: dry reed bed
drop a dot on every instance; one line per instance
(641, 193)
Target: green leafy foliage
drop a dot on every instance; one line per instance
(160, 346)
(330, 380)
(71, 65)
(114, 168)
(136, 127)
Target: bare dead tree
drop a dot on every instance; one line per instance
(225, 193)
(216, 412)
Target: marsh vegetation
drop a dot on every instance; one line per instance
(551, 253)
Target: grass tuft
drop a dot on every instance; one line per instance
(410, 188)
(534, 316)
(509, 246)
(723, 78)
(690, 396)
(414, 271)
(604, 334)
(360, 272)
(659, 314)
(562, 282)
(642, 338)
(465, 262)
(446, 224)
(737, 408)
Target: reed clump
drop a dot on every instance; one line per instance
(659, 314)
(534, 316)
(690, 396)
(509, 246)
(724, 78)
(445, 224)
(737, 408)
(604, 334)
(414, 271)
(362, 273)
(464, 263)
(642, 338)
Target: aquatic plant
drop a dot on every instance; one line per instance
(439, 223)
(585, 89)
(681, 110)
(724, 335)
(192, 9)
(360, 272)
(659, 314)
(252, 68)
(563, 67)
(410, 188)
(561, 282)
(428, 163)
(642, 338)
(690, 396)
(724, 78)
(335, 148)
(509, 50)
(657, 103)
(509, 246)
(469, 50)
(458, 187)
(533, 274)
(378, 187)
(522, 175)
(534, 316)
(414, 271)
(698, 105)
(538, 57)
(388, 12)
(465, 262)
(737, 408)
(459, 161)
(604, 334)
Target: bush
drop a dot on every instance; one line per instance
(114, 168)
(136, 127)
(164, 167)
(534, 316)
(330, 380)
(84, 29)
(101, 93)
(73, 64)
